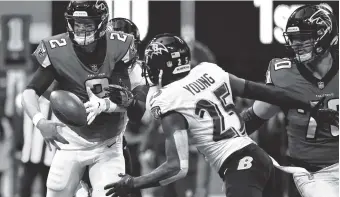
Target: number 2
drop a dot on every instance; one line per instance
(120, 37)
(60, 43)
(220, 131)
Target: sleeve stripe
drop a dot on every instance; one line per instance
(46, 62)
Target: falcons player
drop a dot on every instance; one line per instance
(198, 103)
(84, 60)
(312, 72)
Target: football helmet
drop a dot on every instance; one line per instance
(86, 21)
(128, 27)
(167, 59)
(310, 31)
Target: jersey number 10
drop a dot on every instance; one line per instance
(220, 131)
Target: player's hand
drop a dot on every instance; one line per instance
(328, 116)
(119, 95)
(121, 188)
(49, 130)
(94, 106)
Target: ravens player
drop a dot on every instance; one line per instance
(84, 61)
(198, 103)
(312, 36)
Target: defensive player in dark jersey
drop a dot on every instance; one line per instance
(198, 103)
(84, 60)
(311, 35)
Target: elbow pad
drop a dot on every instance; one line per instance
(251, 120)
(178, 172)
(181, 174)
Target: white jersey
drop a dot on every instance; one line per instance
(204, 98)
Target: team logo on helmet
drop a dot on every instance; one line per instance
(321, 17)
(155, 48)
(100, 6)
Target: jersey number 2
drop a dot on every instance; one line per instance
(220, 131)
(118, 36)
(59, 43)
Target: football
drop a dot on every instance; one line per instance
(68, 108)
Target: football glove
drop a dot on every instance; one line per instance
(96, 106)
(119, 95)
(121, 188)
(325, 115)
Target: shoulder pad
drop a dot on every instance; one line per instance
(56, 41)
(278, 63)
(122, 45)
(160, 102)
(280, 71)
(41, 55)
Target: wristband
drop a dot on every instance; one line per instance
(110, 106)
(37, 117)
(107, 104)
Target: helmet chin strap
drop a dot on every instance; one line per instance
(160, 78)
(84, 40)
(305, 57)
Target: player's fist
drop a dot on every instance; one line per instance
(328, 116)
(121, 188)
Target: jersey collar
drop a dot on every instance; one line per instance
(321, 83)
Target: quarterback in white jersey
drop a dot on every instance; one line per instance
(197, 103)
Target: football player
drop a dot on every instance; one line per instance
(135, 69)
(135, 74)
(84, 61)
(312, 36)
(198, 103)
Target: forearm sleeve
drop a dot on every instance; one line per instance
(274, 95)
(41, 80)
(251, 120)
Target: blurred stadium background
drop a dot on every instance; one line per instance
(241, 36)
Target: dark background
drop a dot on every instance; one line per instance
(229, 28)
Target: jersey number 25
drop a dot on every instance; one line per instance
(220, 131)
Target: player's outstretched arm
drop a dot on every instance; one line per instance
(270, 94)
(256, 115)
(41, 80)
(282, 98)
(176, 165)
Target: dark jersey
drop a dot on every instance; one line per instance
(58, 54)
(308, 142)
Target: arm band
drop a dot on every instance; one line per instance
(37, 117)
(274, 95)
(251, 120)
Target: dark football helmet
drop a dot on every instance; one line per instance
(167, 59)
(86, 20)
(311, 30)
(126, 26)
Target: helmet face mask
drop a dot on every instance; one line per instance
(86, 21)
(310, 31)
(301, 44)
